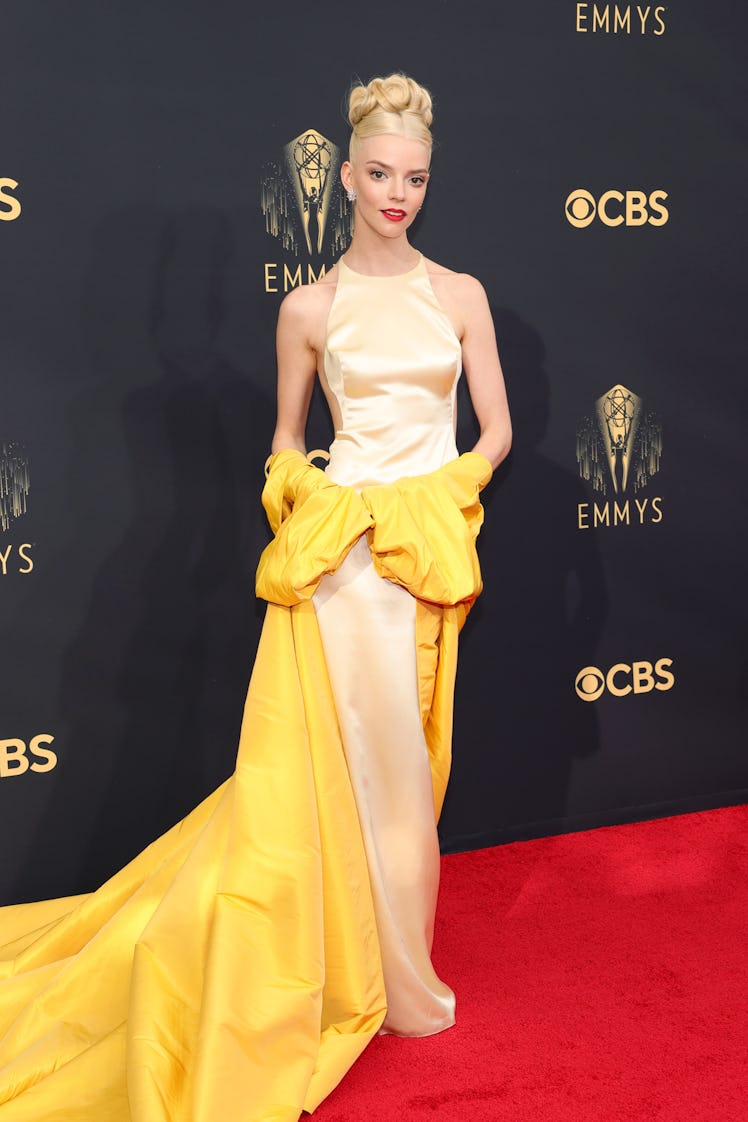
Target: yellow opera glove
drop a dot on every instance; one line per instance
(284, 471)
(474, 463)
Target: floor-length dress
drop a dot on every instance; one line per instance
(237, 967)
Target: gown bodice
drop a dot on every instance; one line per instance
(391, 365)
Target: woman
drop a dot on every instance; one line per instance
(387, 330)
(239, 965)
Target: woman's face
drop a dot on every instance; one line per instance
(389, 178)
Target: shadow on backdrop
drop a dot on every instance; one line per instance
(153, 684)
(518, 722)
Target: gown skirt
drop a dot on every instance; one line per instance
(237, 967)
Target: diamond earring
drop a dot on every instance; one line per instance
(351, 195)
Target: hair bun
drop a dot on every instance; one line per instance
(397, 93)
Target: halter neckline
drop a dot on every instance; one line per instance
(377, 276)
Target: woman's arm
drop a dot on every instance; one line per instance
(297, 364)
(480, 361)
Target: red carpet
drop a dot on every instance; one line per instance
(600, 976)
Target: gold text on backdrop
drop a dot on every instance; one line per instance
(10, 206)
(619, 514)
(16, 757)
(624, 678)
(16, 559)
(621, 19)
(616, 208)
(289, 278)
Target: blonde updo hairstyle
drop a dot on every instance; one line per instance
(395, 105)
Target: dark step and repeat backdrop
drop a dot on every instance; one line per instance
(167, 172)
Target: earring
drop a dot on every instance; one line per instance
(351, 195)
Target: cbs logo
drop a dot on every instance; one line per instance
(10, 207)
(16, 757)
(623, 679)
(617, 208)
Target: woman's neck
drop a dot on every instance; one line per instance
(380, 258)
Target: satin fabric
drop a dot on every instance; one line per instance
(232, 970)
(391, 365)
(390, 370)
(368, 629)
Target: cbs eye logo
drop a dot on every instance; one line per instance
(623, 679)
(616, 208)
(10, 207)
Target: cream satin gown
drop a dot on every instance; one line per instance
(237, 966)
(391, 365)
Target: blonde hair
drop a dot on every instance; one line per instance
(395, 104)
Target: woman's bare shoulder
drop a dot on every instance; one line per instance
(459, 283)
(460, 294)
(303, 303)
(304, 310)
